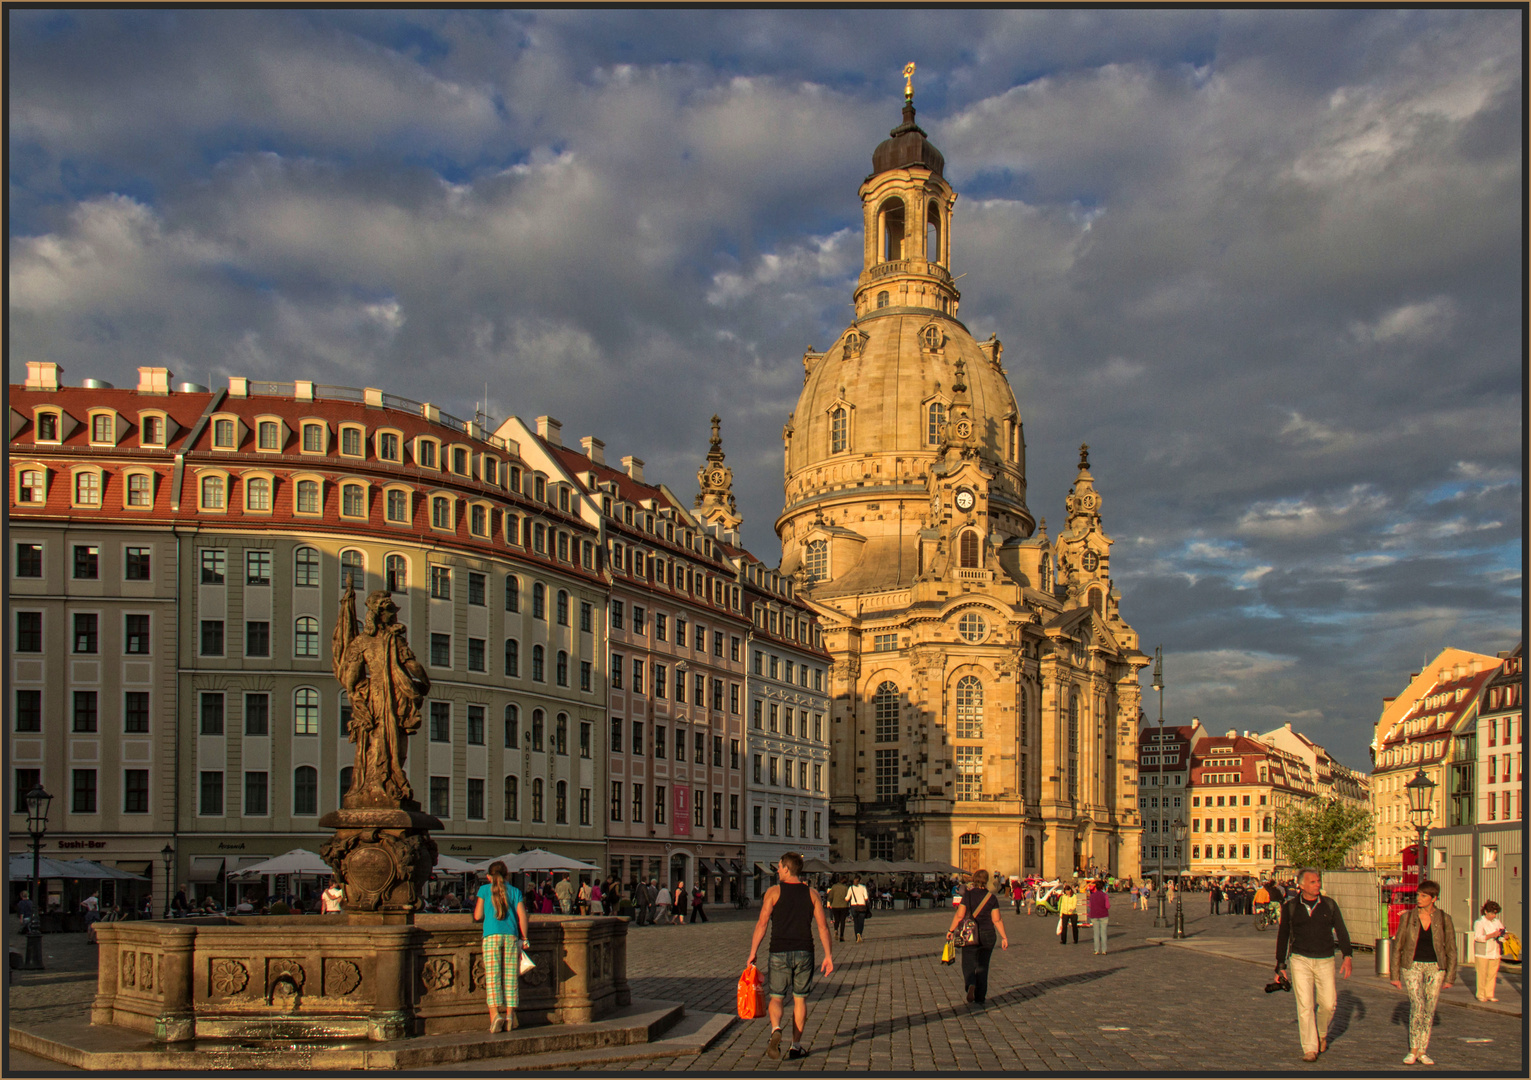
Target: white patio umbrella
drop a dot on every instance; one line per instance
(447, 864)
(298, 861)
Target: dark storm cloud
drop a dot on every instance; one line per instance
(1265, 263)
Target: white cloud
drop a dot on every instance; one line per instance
(1297, 518)
(1425, 321)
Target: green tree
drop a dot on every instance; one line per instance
(1321, 832)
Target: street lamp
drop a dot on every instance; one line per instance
(1179, 835)
(167, 853)
(1421, 793)
(37, 801)
(1161, 918)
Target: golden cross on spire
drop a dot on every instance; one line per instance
(909, 81)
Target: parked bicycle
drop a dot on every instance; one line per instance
(1268, 916)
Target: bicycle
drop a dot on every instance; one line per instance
(1267, 917)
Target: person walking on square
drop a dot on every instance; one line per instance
(1068, 915)
(1311, 926)
(502, 910)
(859, 900)
(984, 908)
(564, 891)
(1098, 908)
(1486, 934)
(1424, 963)
(1217, 900)
(792, 910)
(678, 903)
(699, 905)
(839, 906)
(582, 898)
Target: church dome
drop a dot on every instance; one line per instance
(908, 145)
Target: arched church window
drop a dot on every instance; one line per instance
(816, 560)
(1073, 746)
(1095, 601)
(1025, 720)
(933, 426)
(1031, 852)
(933, 232)
(882, 299)
(969, 550)
(930, 337)
(885, 712)
(1045, 573)
(892, 230)
(969, 708)
(839, 425)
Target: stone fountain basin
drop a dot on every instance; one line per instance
(344, 977)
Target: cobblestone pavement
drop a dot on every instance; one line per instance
(891, 1006)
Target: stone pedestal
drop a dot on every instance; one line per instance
(345, 976)
(383, 857)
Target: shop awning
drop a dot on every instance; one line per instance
(709, 867)
(763, 868)
(205, 869)
(736, 866)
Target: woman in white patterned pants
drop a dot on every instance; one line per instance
(1424, 963)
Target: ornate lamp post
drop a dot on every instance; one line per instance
(37, 801)
(1161, 917)
(1421, 793)
(168, 854)
(1179, 836)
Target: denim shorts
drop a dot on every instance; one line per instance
(791, 970)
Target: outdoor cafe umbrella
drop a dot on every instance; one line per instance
(20, 869)
(817, 866)
(297, 862)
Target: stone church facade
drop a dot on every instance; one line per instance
(985, 695)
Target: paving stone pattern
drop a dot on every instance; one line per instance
(891, 1006)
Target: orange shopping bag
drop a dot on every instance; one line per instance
(752, 994)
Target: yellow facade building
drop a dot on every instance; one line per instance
(985, 685)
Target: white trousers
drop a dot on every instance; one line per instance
(1312, 984)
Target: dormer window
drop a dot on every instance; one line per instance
(540, 489)
(563, 498)
(426, 452)
(47, 427)
(87, 487)
(388, 446)
(103, 428)
(31, 486)
(515, 479)
(931, 338)
(268, 435)
(225, 434)
(151, 430)
(313, 437)
(460, 461)
(839, 429)
(351, 441)
(935, 421)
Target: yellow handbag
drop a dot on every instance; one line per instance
(949, 952)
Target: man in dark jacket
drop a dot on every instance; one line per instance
(1311, 926)
(641, 903)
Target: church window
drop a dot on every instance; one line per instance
(930, 337)
(969, 772)
(1025, 720)
(884, 642)
(972, 627)
(1074, 746)
(839, 424)
(933, 232)
(887, 773)
(882, 299)
(816, 560)
(892, 230)
(969, 550)
(1095, 601)
(885, 712)
(969, 708)
(1045, 573)
(937, 419)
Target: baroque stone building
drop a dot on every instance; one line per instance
(985, 685)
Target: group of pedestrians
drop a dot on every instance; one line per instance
(848, 901)
(656, 905)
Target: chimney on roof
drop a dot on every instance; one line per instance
(595, 449)
(634, 467)
(154, 380)
(550, 429)
(1474, 665)
(42, 375)
(1289, 725)
(1231, 735)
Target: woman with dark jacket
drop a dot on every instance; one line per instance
(984, 908)
(1424, 963)
(678, 903)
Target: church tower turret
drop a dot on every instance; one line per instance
(1083, 548)
(715, 484)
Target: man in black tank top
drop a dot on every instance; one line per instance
(792, 909)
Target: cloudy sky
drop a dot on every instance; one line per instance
(1265, 263)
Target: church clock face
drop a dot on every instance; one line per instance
(1091, 562)
(964, 499)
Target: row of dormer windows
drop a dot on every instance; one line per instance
(274, 435)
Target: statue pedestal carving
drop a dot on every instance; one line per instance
(383, 857)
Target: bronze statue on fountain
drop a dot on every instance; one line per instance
(382, 850)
